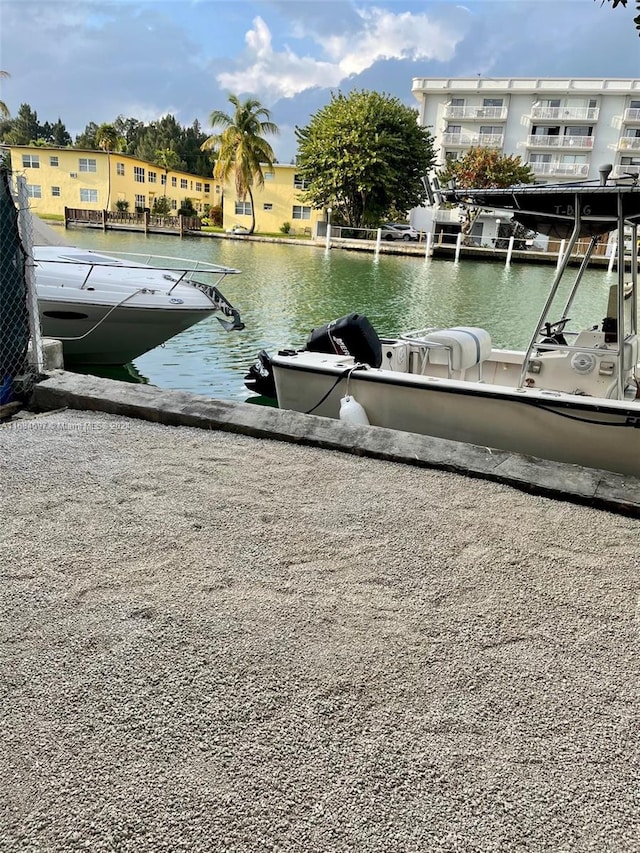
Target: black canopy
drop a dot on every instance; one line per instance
(552, 209)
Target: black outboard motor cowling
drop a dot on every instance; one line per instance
(351, 335)
(260, 379)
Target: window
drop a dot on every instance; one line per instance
(89, 196)
(183, 183)
(87, 164)
(30, 161)
(207, 188)
(151, 177)
(490, 130)
(552, 103)
(53, 160)
(198, 186)
(267, 206)
(163, 180)
(55, 191)
(120, 169)
(299, 182)
(456, 102)
(578, 131)
(34, 190)
(138, 174)
(174, 204)
(451, 155)
(269, 176)
(174, 182)
(190, 185)
(243, 208)
(300, 212)
(493, 102)
(140, 201)
(454, 128)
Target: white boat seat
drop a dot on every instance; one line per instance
(460, 348)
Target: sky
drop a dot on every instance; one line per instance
(92, 60)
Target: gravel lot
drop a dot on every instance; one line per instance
(217, 643)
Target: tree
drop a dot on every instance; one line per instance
(364, 155)
(108, 140)
(485, 167)
(241, 149)
(481, 168)
(4, 109)
(636, 20)
(25, 128)
(87, 139)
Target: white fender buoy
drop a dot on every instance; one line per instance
(352, 412)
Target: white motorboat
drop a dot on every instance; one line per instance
(112, 308)
(573, 395)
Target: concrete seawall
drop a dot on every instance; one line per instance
(566, 482)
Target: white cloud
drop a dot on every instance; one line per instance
(382, 35)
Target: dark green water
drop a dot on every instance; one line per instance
(285, 291)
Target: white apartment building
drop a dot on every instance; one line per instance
(564, 128)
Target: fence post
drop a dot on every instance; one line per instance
(510, 250)
(560, 253)
(104, 220)
(25, 225)
(66, 216)
(378, 240)
(614, 251)
(428, 251)
(458, 245)
(180, 224)
(145, 215)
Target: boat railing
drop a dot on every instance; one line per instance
(176, 270)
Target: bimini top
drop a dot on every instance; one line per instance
(554, 209)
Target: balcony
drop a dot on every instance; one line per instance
(561, 170)
(629, 143)
(476, 113)
(576, 142)
(469, 140)
(632, 116)
(566, 113)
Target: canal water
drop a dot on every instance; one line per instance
(285, 291)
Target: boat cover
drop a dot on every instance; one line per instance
(552, 209)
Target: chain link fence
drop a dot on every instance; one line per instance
(21, 356)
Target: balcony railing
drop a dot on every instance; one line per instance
(488, 140)
(476, 113)
(629, 143)
(543, 141)
(632, 115)
(625, 171)
(580, 170)
(566, 113)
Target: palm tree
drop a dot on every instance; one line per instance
(241, 149)
(108, 139)
(4, 109)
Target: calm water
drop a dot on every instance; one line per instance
(285, 291)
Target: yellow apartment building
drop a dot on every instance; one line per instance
(96, 180)
(276, 203)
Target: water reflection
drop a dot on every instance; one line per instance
(285, 291)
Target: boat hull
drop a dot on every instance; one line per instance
(556, 426)
(102, 334)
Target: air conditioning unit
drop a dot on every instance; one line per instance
(73, 174)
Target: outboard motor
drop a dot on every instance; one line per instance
(351, 335)
(260, 379)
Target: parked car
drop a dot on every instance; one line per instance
(407, 232)
(388, 231)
